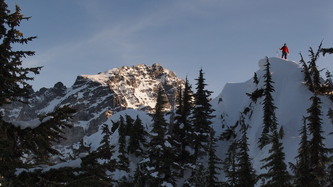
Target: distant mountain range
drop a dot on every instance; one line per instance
(97, 97)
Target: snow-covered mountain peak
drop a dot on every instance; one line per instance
(280, 67)
(136, 84)
(136, 72)
(97, 97)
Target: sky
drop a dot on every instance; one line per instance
(226, 38)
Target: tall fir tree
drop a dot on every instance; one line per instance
(182, 130)
(129, 124)
(319, 154)
(36, 142)
(14, 86)
(269, 118)
(40, 140)
(13, 76)
(137, 141)
(318, 151)
(105, 149)
(105, 152)
(123, 162)
(230, 164)
(237, 164)
(159, 153)
(302, 175)
(177, 130)
(202, 115)
(245, 173)
(214, 163)
(277, 174)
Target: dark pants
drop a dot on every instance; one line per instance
(284, 55)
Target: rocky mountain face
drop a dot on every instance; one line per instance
(97, 97)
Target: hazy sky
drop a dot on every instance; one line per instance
(226, 38)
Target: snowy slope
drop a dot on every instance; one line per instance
(291, 97)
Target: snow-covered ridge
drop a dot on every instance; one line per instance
(291, 97)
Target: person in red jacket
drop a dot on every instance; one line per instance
(284, 50)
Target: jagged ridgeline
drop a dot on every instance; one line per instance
(97, 97)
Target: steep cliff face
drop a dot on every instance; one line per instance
(97, 97)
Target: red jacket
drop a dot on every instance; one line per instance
(284, 49)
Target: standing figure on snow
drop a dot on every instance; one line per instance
(285, 50)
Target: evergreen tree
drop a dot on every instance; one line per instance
(237, 164)
(37, 142)
(182, 130)
(13, 77)
(269, 108)
(178, 132)
(277, 174)
(202, 114)
(213, 163)
(106, 150)
(123, 162)
(312, 76)
(302, 167)
(230, 164)
(137, 141)
(40, 140)
(245, 172)
(14, 141)
(160, 159)
(318, 151)
(13, 85)
(97, 164)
